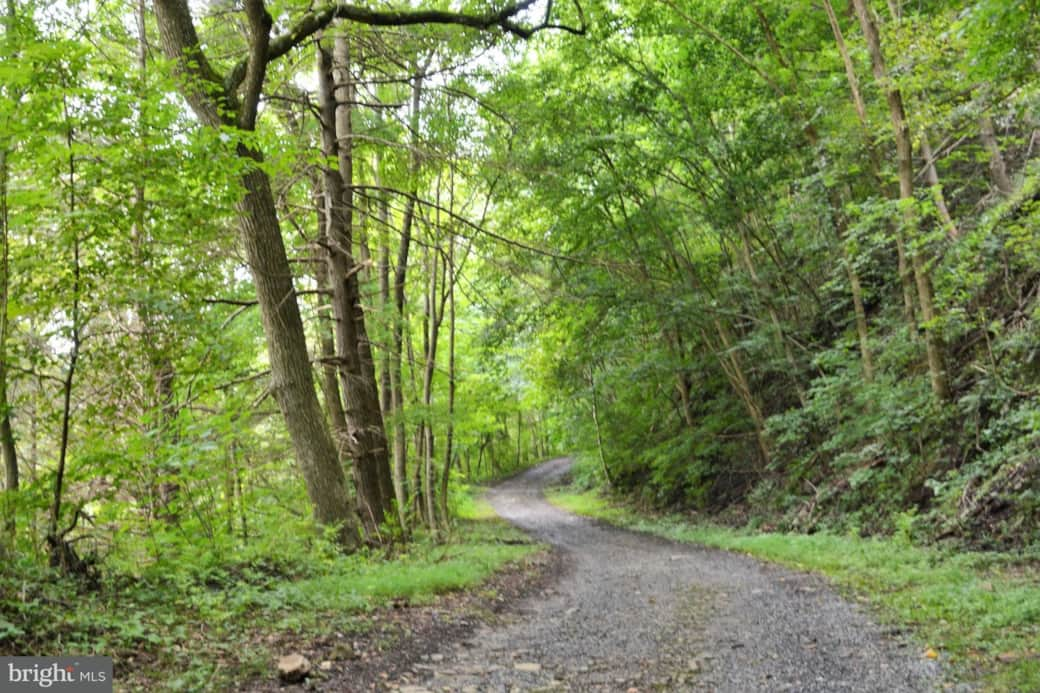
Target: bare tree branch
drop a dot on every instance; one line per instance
(260, 23)
(313, 22)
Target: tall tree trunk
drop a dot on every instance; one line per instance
(860, 312)
(432, 321)
(480, 452)
(449, 436)
(901, 130)
(385, 391)
(7, 446)
(292, 381)
(906, 281)
(160, 368)
(357, 394)
(62, 553)
(327, 337)
(375, 447)
(400, 452)
(419, 437)
(230, 475)
(291, 375)
(599, 429)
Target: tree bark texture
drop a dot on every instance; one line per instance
(260, 235)
(370, 412)
(291, 375)
(358, 394)
(327, 337)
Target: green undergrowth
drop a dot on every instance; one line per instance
(188, 628)
(980, 612)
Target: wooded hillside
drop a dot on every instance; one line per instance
(798, 275)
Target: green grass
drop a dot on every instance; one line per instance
(424, 572)
(186, 631)
(468, 504)
(979, 611)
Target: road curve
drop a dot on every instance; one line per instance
(636, 613)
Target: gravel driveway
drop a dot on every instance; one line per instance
(636, 613)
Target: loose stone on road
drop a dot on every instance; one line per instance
(636, 613)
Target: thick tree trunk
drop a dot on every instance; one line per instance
(291, 375)
(7, 446)
(901, 129)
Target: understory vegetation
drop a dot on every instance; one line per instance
(215, 622)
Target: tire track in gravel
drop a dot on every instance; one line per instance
(634, 612)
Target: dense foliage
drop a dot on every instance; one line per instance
(145, 421)
(756, 309)
(277, 278)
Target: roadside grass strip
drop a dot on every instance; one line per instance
(977, 612)
(214, 631)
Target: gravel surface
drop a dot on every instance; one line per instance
(636, 613)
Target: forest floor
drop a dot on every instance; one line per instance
(624, 611)
(399, 639)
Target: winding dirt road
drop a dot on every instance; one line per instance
(632, 612)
